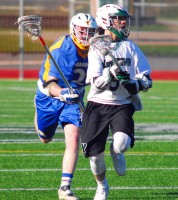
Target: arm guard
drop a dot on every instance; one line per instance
(101, 82)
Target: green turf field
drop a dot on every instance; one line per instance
(30, 170)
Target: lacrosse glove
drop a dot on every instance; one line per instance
(144, 81)
(140, 83)
(131, 86)
(69, 97)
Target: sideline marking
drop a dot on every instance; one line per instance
(56, 153)
(92, 188)
(85, 169)
(141, 127)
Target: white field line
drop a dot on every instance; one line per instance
(58, 154)
(88, 169)
(93, 188)
(142, 127)
(34, 141)
(24, 141)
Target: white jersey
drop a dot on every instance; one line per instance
(134, 62)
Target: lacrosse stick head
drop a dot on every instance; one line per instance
(31, 24)
(101, 41)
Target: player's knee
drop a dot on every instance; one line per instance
(43, 137)
(97, 164)
(45, 140)
(121, 142)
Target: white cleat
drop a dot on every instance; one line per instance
(66, 194)
(118, 161)
(101, 193)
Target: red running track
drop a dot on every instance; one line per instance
(33, 74)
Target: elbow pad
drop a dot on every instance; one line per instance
(101, 82)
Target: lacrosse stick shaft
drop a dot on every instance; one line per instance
(59, 70)
(102, 44)
(116, 62)
(56, 65)
(32, 25)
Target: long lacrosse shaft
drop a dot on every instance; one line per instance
(118, 64)
(59, 70)
(106, 52)
(56, 65)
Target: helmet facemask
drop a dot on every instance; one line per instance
(82, 27)
(114, 18)
(120, 26)
(83, 34)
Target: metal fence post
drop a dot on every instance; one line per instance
(21, 44)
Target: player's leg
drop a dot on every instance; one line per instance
(98, 168)
(70, 159)
(122, 127)
(35, 121)
(41, 134)
(120, 144)
(46, 118)
(94, 133)
(70, 118)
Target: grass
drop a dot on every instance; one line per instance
(32, 170)
(160, 50)
(160, 103)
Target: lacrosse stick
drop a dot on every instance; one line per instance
(32, 25)
(102, 44)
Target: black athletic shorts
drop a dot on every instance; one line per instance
(98, 119)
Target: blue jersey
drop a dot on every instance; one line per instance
(71, 60)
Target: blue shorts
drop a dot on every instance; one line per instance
(52, 112)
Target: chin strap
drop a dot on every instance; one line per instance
(79, 44)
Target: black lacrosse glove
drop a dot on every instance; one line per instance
(133, 86)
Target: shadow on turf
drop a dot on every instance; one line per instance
(86, 198)
(168, 195)
(172, 194)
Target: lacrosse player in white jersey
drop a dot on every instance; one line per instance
(117, 73)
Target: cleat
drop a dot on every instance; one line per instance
(65, 193)
(102, 193)
(118, 161)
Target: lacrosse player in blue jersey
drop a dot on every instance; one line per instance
(54, 103)
(117, 73)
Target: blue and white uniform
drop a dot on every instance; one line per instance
(73, 62)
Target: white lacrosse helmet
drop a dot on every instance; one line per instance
(106, 15)
(82, 27)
